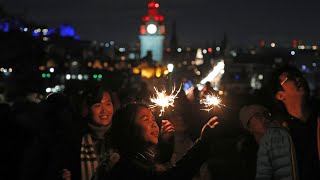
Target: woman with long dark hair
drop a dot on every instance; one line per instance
(135, 133)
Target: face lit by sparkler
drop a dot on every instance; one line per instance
(210, 101)
(161, 99)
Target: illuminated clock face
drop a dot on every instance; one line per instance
(151, 28)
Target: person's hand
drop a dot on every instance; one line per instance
(167, 130)
(66, 174)
(209, 125)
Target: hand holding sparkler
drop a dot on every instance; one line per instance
(163, 100)
(166, 131)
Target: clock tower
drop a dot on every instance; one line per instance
(152, 32)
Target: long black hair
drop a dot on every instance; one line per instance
(124, 132)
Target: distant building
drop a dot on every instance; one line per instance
(152, 33)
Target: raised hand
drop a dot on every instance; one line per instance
(212, 123)
(167, 130)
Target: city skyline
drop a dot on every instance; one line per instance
(198, 22)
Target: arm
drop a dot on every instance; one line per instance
(191, 162)
(165, 148)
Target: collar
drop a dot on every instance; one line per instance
(98, 132)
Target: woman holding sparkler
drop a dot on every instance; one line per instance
(135, 133)
(97, 151)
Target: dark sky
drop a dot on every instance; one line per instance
(198, 21)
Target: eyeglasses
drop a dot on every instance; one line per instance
(292, 76)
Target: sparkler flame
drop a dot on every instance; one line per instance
(210, 101)
(161, 99)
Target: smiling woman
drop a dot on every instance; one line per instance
(95, 137)
(135, 133)
(96, 144)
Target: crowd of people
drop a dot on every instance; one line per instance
(102, 135)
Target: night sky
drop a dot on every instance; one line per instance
(198, 21)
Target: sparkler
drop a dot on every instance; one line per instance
(161, 99)
(210, 101)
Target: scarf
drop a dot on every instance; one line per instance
(93, 146)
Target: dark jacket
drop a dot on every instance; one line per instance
(142, 168)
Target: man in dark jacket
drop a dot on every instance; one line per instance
(291, 148)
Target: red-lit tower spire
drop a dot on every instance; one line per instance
(152, 31)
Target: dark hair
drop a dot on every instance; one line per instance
(124, 131)
(94, 94)
(274, 85)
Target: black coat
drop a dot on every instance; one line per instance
(139, 167)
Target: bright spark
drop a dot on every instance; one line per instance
(210, 101)
(161, 99)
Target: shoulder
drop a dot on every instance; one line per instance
(277, 130)
(130, 168)
(276, 137)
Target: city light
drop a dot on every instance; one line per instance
(216, 70)
(151, 28)
(48, 90)
(273, 45)
(170, 67)
(74, 63)
(260, 76)
(44, 31)
(233, 53)
(136, 70)
(204, 51)
(293, 53)
(51, 70)
(80, 76)
(122, 49)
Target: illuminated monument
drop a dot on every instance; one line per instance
(152, 32)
